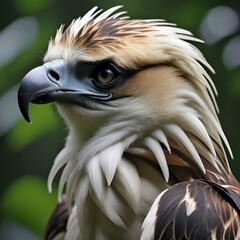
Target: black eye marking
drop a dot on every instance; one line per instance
(101, 76)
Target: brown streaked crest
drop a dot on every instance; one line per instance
(96, 37)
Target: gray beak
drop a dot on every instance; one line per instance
(56, 81)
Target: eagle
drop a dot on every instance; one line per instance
(145, 154)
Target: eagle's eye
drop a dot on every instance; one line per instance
(105, 75)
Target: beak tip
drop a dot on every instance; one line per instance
(25, 114)
(28, 119)
(24, 108)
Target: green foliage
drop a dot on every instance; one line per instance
(27, 201)
(14, 72)
(43, 120)
(29, 6)
(192, 12)
(235, 81)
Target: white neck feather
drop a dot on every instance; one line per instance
(91, 168)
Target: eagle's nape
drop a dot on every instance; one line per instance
(152, 148)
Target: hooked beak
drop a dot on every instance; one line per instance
(55, 81)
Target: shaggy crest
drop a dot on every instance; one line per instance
(132, 44)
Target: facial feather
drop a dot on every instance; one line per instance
(157, 88)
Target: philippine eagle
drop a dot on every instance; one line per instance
(144, 157)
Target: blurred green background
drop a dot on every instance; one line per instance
(27, 151)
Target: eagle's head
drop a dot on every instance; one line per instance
(141, 113)
(132, 81)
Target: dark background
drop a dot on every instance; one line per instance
(27, 151)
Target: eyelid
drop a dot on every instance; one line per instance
(116, 68)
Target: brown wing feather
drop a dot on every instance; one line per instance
(57, 222)
(198, 209)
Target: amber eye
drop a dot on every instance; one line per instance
(105, 75)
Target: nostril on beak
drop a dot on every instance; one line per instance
(53, 75)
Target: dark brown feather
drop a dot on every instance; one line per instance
(215, 214)
(58, 220)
